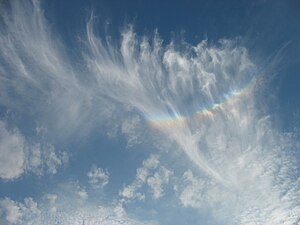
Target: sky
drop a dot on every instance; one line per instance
(149, 112)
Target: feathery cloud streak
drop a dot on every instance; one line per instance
(200, 97)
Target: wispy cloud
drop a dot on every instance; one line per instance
(199, 97)
(169, 87)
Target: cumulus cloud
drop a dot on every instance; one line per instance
(158, 181)
(12, 212)
(12, 155)
(64, 208)
(151, 174)
(98, 177)
(19, 156)
(53, 160)
(83, 194)
(45, 159)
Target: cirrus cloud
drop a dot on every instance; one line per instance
(200, 97)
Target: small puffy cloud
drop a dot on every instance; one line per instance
(63, 207)
(130, 192)
(152, 162)
(45, 159)
(151, 174)
(40, 130)
(82, 194)
(53, 160)
(98, 177)
(51, 198)
(18, 156)
(158, 181)
(12, 212)
(51, 202)
(12, 153)
(31, 205)
(119, 210)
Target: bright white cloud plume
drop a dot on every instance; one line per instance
(98, 177)
(199, 97)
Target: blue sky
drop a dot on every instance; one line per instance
(149, 112)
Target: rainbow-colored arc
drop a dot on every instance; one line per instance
(208, 111)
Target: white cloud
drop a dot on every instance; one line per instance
(152, 162)
(35, 66)
(12, 212)
(17, 213)
(158, 181)
(98, 177)
(12, 155)
(246, 202)
(193, 193)
(64, 208)
(130, 129)
(83, 194)
(53, 160)
(45, 159)
(51, 202)
(164, 84)
(200, 97)
(18, 156)
(151, 174)
(130, 192)
(51, 198)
